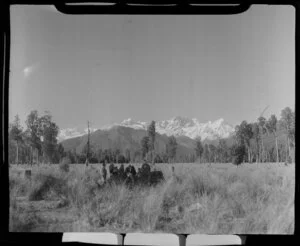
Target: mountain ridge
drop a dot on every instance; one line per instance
(122, 138)
(127, 138)
(176, 126)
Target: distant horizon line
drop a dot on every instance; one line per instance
(141, 121)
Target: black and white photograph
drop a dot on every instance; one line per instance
(152, 123)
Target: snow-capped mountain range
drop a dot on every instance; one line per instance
(182, 126)
(176, 126)
(72, 133)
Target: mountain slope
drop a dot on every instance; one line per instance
(122, 138)
(177, 126)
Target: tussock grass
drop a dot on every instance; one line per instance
(65, 164)
(217, 199)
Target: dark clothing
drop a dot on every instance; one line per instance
(115, 171)
(130, 176)
(144, 174)
(133, 171)
(146, 168)
(127, 170)
(156, 177)
(111, 168)
(122, 175)
(130, 169)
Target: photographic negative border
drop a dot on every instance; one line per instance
(131, 7)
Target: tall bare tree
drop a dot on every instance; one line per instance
(287, 122)
(88, 146)
(262, 131)
(145, 146)
(151, 135)
(212, 153)
(272, 125)
(244, 134)
(256, 138)
(171, 148)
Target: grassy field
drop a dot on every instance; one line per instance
(202, 198)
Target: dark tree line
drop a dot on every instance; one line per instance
(98, 156)
(250, 137)
(37, 143)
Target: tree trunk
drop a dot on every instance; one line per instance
(257, 151)
(286, 149)
(289, 148)
(17, 157)
(249, 156)
(277, 154)
(31, 155)
(262, 151)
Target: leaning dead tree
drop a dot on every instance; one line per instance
(88, 146)
(262, 129)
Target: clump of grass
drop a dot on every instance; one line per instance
(18, 185)
(46, 186)
(20, 221)
(225, 200)
(23, 222)
(82, 187)
(234, 201)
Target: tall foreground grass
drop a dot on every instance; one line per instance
(221, 199)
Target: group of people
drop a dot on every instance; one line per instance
(129, 175)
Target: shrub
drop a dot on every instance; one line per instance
(158, 159)
(45, 186)
(65, 164)
(23, 222)
(237, 160)
(238, 154)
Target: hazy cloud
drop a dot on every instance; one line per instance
(30, 69)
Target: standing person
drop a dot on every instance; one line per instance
(122, 173)
(115, 174)
(132, 171)
(111, 168)
(146, 167)
(145, 173)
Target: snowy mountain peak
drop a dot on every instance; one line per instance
(133, 124)
(219, 121)
(127, 121)
(182, 121)
(176, 126)
(184, 126)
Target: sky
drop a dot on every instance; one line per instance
(109, 68)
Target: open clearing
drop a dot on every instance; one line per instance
(201, 198)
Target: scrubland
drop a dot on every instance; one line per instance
(200, 198)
